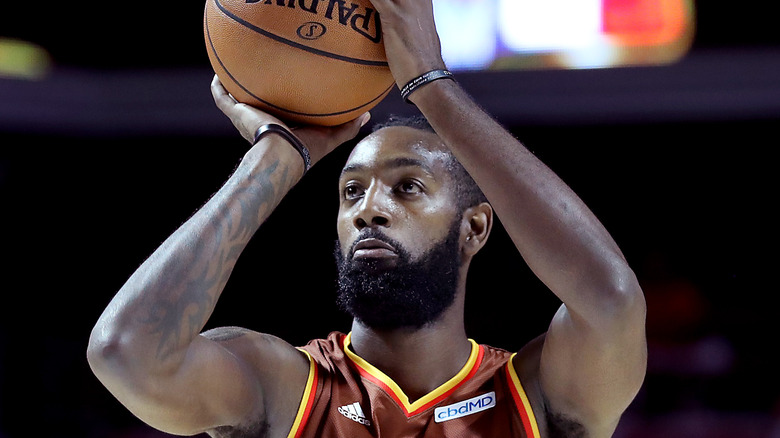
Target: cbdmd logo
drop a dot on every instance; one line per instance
(466, 407)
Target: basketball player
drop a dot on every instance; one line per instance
(410, 221)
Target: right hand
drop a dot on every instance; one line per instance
(320, 140)
(411, 42)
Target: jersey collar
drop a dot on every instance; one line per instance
(379, 378)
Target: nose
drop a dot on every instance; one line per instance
(373, 209)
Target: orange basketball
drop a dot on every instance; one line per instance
(318, 62)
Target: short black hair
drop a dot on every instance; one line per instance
(466, 189)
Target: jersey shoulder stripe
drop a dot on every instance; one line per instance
(521, 400)
(307, 401)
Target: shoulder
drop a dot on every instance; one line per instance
(223, 334)
(527, 361)
(551, 424)
(281, 370)
(258, 349)
(248, 343)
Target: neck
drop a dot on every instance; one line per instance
(418, 360)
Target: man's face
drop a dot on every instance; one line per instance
(396, 180)
(399, 230)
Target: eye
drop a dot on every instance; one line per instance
(409, 187)
(352, 191)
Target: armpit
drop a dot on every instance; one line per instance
(560, 426)
(257, 430)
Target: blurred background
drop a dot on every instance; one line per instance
(661, 114)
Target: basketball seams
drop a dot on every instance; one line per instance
(265, 102)
(230, 75)
(295, 44)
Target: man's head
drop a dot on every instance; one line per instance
(410, 219)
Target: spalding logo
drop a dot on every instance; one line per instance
(361, 19)
(311, 30)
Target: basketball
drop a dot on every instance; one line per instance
(318, 62)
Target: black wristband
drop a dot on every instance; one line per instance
(290, 137)
(423, 79)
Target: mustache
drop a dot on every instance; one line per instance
(372, 233)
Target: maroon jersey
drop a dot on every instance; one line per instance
(346, 397)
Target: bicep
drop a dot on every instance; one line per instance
(224, 380)
(589, 372)
(211, 387)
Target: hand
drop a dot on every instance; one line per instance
(320, 140)
(411, 42)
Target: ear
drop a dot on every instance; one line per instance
(477, 223)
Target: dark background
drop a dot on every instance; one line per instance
(102, 159)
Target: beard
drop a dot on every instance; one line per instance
(410, 294)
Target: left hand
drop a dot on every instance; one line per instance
(244, 117)
(320, 140)
(411, 42)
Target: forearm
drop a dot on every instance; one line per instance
(167, 301)
(559, 237)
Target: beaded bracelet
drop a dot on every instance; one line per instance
(423, 79)
(290, 137)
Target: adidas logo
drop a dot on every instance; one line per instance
(355, 413)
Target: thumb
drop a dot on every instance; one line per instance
(322, 140)
(340, 134)
(349, 130)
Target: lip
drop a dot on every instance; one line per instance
(373, 248)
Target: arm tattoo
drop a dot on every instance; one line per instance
(191, 298)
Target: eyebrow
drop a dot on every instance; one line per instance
(392, 163)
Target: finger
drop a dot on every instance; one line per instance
(380, 4)
(350, 129)
(364, 119)
(221, 96)
(216, 87)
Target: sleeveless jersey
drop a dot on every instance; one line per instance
(346, 397)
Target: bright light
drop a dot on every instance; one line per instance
(23, 60)
(469, 28)
(543, 26)
(478, 34)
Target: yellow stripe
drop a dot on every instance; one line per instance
(411, 407)
(305, 399)
(526, 404)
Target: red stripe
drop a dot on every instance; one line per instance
(529, 431)
(370, 377)
(389, 391)
(468, 377)
(309, 405)
(382, 385)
